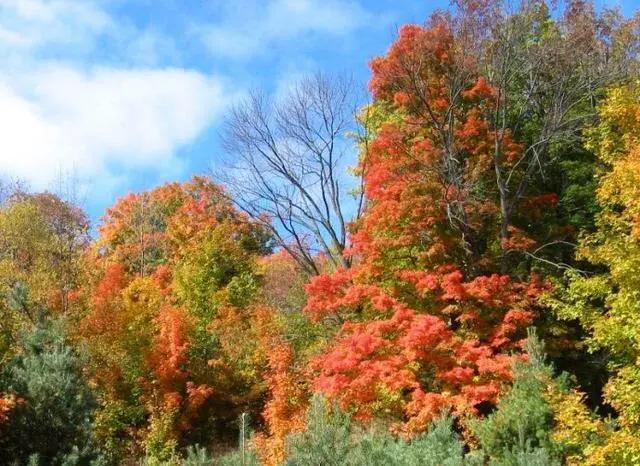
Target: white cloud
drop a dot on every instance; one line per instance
(77, 30)
(88, 93)
(251, 27)
(33, 23)
(102, 123)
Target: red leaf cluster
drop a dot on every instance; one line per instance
(423, 329)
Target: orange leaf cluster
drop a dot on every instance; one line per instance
(284, 411)
(464, 342)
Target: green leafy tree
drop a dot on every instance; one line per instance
(326, 440)
(53, 421)
(520, 431)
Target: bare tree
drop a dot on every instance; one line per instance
(10, 188)
(286, 166)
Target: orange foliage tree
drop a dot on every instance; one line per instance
(428, 320)
(173, 282)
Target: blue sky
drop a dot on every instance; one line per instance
(124, 94)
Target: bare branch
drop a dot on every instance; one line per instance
(286, 164)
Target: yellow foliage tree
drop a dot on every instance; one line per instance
(42, 242)
(608, 303)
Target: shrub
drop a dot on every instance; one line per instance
(332, 439)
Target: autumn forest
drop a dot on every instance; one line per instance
(442, 269)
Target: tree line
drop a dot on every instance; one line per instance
(446, 274)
